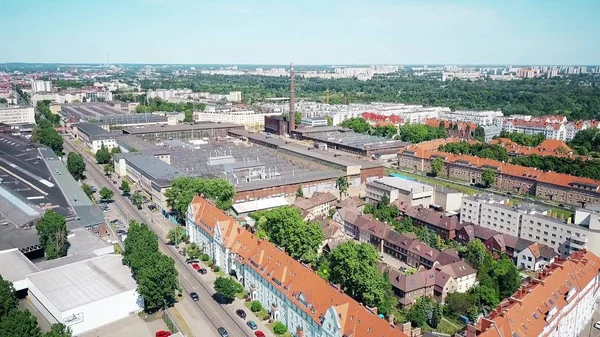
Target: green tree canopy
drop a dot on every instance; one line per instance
(46, 134)
(285, 227)
(176, 235)
(342, 185)
(19, 323)
(103, 155)
(109, 168)
(416, 133)
(524, 139)
(482, 150)
(227, 287)
(106, 193)
(436, 166)
(125, 188)
(299, 192)
(59, 330)
(359, 125)
(488, 176)
(52, 231)
(8, 300)
(75, 165)
(183, 190)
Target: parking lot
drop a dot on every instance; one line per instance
(130, 326)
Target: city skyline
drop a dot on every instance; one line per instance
(307, 33)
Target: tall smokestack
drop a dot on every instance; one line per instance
(291, 119)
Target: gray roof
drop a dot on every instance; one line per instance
(153, 168)
(93, 131)
(181, 127)
(84, 282)
(14, 266)
(83, 245)
(134, 143)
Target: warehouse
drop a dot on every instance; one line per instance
(86, 294)
(183, 131)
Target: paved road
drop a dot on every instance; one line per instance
(214, 314)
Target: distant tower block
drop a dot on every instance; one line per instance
(291, 119)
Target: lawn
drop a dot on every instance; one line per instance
(435, 181)
(262, 314)
(287, 334)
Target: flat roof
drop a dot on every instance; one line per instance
(135, 143)
(403, 184)
(260, 204)
(84, 282)
(83, 245)
(93, 130)
(180, 127)
(153, 168)
(14, 266)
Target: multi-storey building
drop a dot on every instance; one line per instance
(40, 86)
(248, 118)
(17, 115)
(408, 191)
(558, 302)
(477, 117)
(292, 293)
(549, 130)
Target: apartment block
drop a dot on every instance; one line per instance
(17, 115)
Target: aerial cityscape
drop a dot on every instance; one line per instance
(300, 169)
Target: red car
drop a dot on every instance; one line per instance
(195, 266)
(259, 333)
(163, 333)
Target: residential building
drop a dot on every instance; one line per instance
(559, 302)
(447, 199)
(471, 206)
(494, 241)
(408, 191)
(535, 257)
(17, 115)
(443, 225)
(314, 122)
(94, 137)
(317, 205)
(478, 117)
(433, 283)
(549, 130)
(290, 291)
(40, 86)
(490, 131)
(463, 273)
(248, 118)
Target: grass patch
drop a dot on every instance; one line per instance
(242, 295)
(263, 315)
(448, 327)
(170, 325)
(287, 334)
(118, 249)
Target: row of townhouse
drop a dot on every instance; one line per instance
(291, 292)
(525, 254)
(557, 187)
(549, 126)
(535, 223)
(558, 302)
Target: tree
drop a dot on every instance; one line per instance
(183, 190)
(479, 133)
(459, 304)
(285, 227)
(476, 254)
(87, 189)
(329, 120)
(59, 330)
(176, 235)
(193, 251)
(416, 133)
(256, 306)
(488, 176)
(227, 287)
(103, 155)
(137, 200)
(125, 187)
(509, 279)
(46, 134)
(299, 192)
(106, 193)
(342, 185)
(436, 166)
(109, 168)
(19, 323)
(75, 165)
(115, 150)
(52, 231)
(354, 267)
(8, 300)
(279, 328)
(417, 314)
(359, 125)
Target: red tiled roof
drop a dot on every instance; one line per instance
(292, 279)
(539, 302)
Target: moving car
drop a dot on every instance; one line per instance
(241, 313)
(202, 271)
(195, 266)
(163, 333)
(252, 325)
(194, 296)
(259, 333)
(223, 332)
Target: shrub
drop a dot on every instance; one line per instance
(204, 257)
(256, 307)
(279, 328)
(216, 269)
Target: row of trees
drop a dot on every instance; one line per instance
(586, 141)
(482, 150)
(414, 133)
(577, 167)
(76, 165)
(17, 323)
(524, 139)
(285, 227)
(45, 133)
(43, 111)
(157, 104)
(360, 125)
(154, 272)
(183, 190)
(576, 97)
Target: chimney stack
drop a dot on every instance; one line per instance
(291, 119)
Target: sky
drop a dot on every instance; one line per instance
(301, 31)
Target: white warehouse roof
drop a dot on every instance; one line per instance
(84, 282)
(259, 204)
(15, 267)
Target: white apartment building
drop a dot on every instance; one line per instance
(471, 207)
(407, 191)
(40, 86)
(478, 117)
(17, 115)
(549, 130)
(165, 94)
(313, 122)
(248, 118)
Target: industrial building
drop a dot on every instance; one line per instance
(94, 137)
(345, 140)
(183, 131)
(17, 115)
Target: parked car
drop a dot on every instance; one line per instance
(195, 266)
(241, 313)
(194, 260)
(259, 333)
(163, 333)
(202, 271)
(194, 296)
(223, 332)
(252, 325)
(597, 325)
